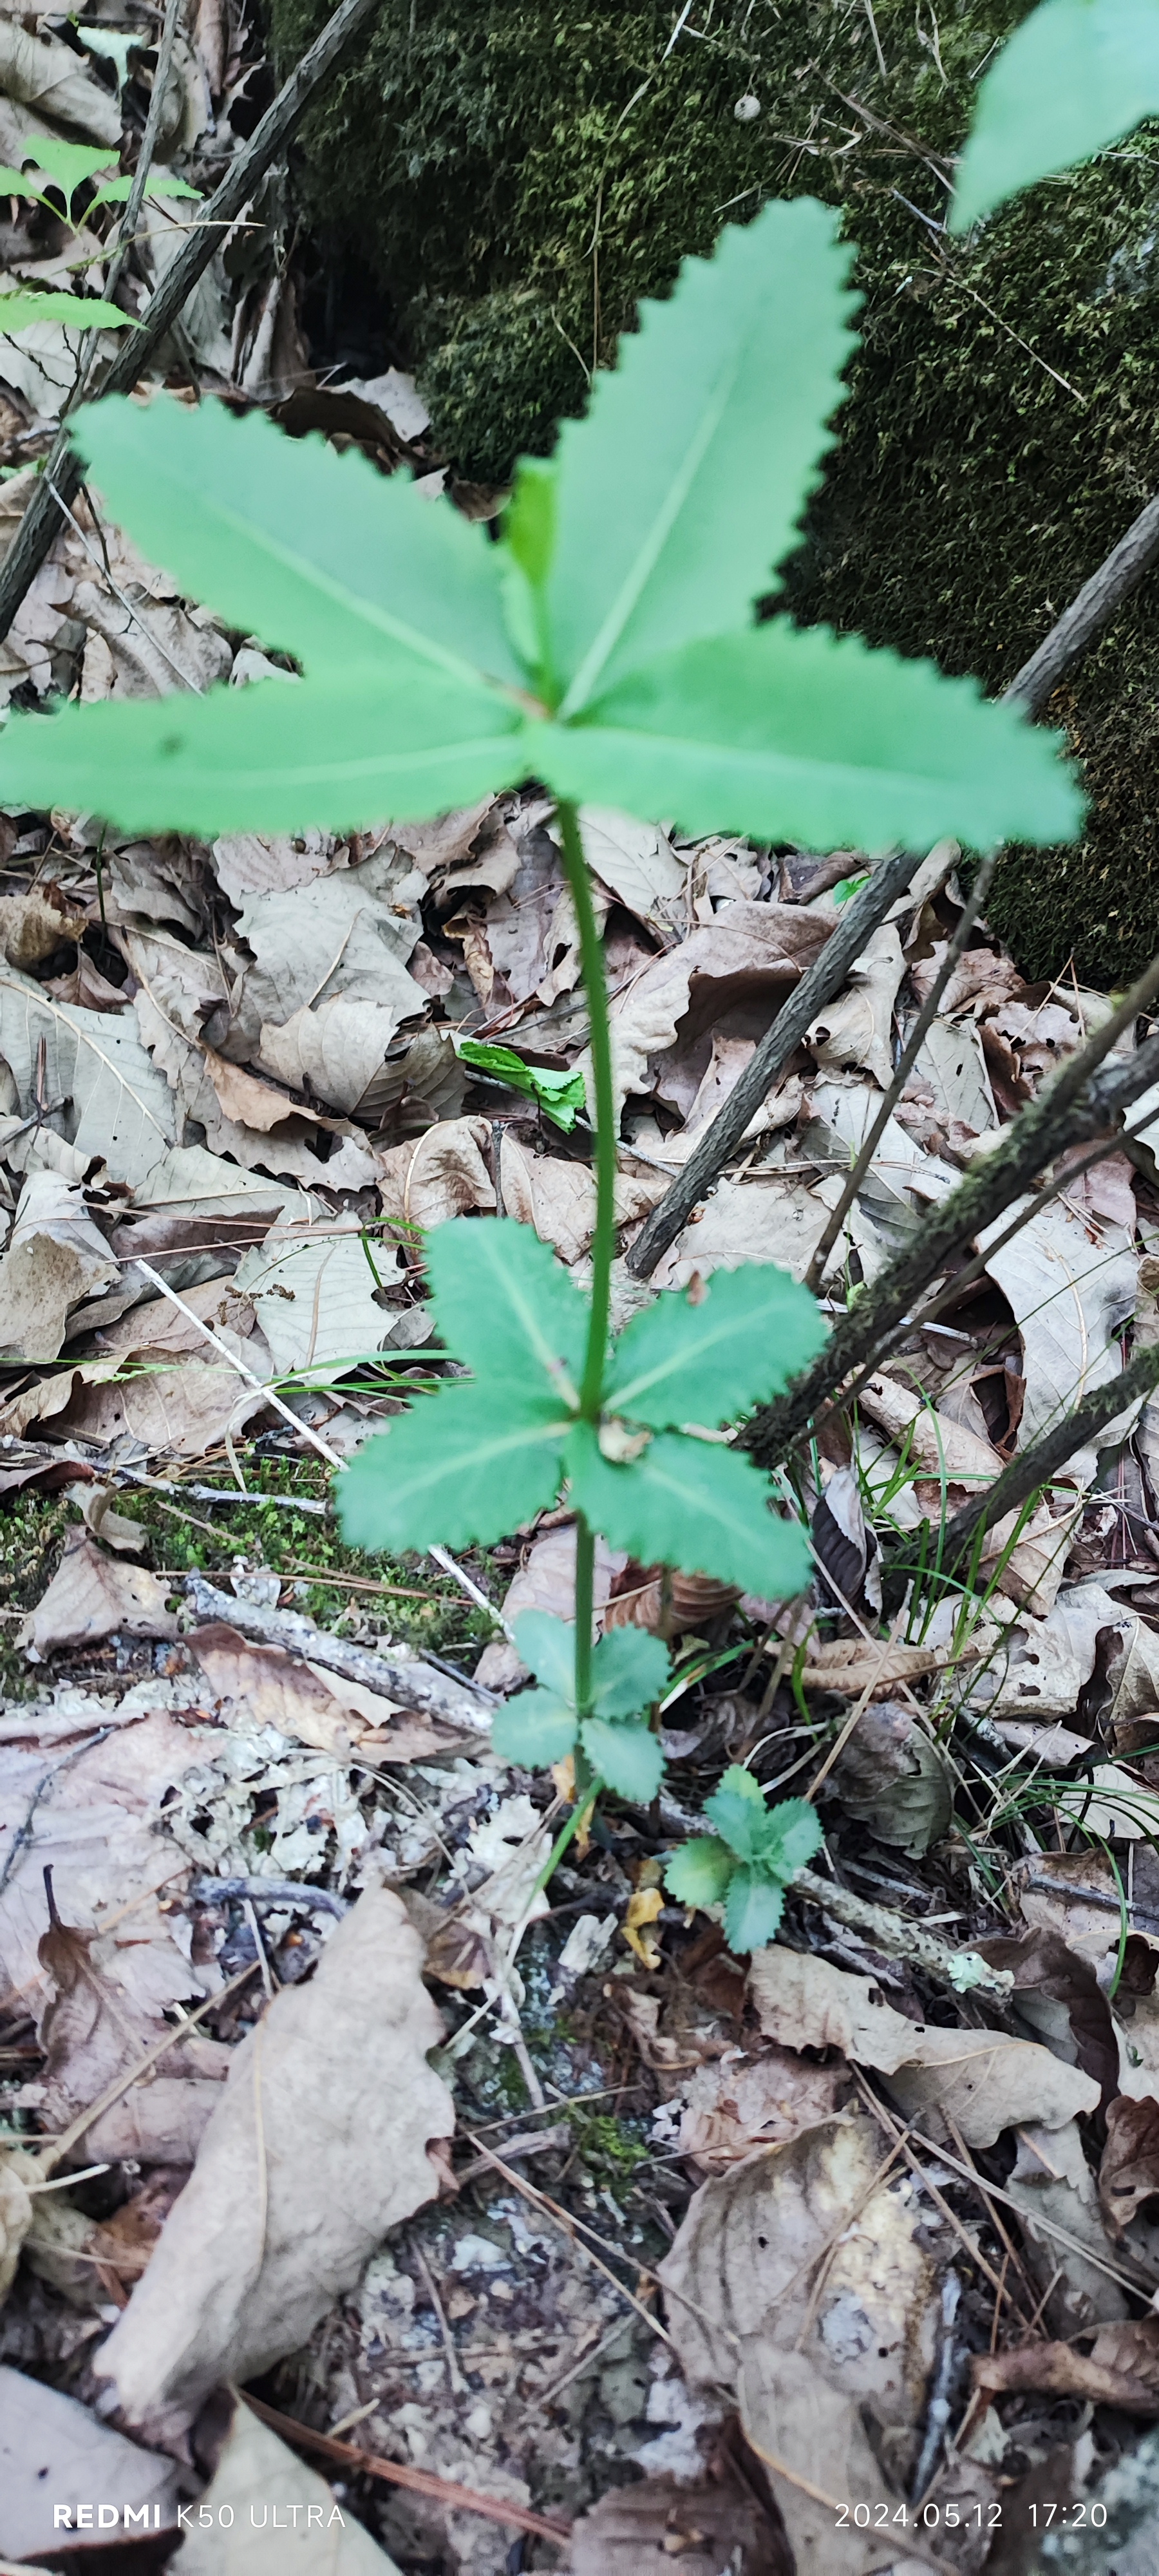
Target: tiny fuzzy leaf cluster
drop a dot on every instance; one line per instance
(540, 1727)
(746, 1864)
(487, 1453)
(606, 646)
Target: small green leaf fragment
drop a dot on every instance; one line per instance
(547, 1647)
(752, 1910)
(629, 1758)
(699, 1872)
(535, 1729)
(76, 312)
(559, 1095)
(529, 519)
(629, 1670)
(465, 1464)
(738, 1811)
(707, 1354)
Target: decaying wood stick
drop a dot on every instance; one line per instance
(1080, 1102)
(901, 1937)
(817, 986)
(1036, 1465)
(1091, 609)
(63, 471)
(444, 2491)
(396, 1676)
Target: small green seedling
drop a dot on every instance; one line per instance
(628, 1674)
(746, 1865)
(67, 167)
(608, 648)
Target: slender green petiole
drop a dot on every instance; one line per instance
(604, 1241)
(578, 1817)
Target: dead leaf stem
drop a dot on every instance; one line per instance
(423, 2482)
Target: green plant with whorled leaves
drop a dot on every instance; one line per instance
(746, 1864)
(606, 646)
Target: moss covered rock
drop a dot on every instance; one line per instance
(516, 175)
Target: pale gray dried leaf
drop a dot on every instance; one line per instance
(951, 1064)
(713, 2529)
(1052, 2181)
(350, 932)
(855, 1028)
(54, 2453)
(56, 1260)
(333, 1053)
(157, 1330)
(546, 1582)
(1071, 1290)
(268, 2513)
(165, 880)
(315, 1297)
(638, 864)
(113, 1528)
(91, 1597)
(122, 1111)
(146, 637)
(891, 1778)
(179, 1412)
(93, 2036)
(258, 1686)
(808, 2350)
(985, 2080)
(767, 1218)
(748, 952)
(17, 2171)
(744, 2100)
(559, 1199)
(283, 1146)
(250, 863)
(43, 74)
(280, 2215)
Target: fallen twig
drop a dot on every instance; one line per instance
(1080, 1102)
(410, 1681)
(457, 2499)
(1038, 1464)
(902, 1938)
(1117, 576)
(63, 467)
(824, 978)
(910, 1053)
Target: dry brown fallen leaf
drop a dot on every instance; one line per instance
(559, 1199)
(16, 2172)
(666, 1603)
(741, 2101)
(803, 2279)
(181, 1412)
(57, 1261)
(156, 1330)
(34, 925)
(1121, 2369)
(1057, 1997)
(334, 1053)
(93, 1813)
(1053, 2188)
(892, 1779)
(856, 1027)
(715, 2528)
(1129, 2170)
(545, 1582)
(90, 1597)
(315, 2150)
(303, 1701)
(442, 1173)
(92, 2035)
(113, 1528)
(982, 2079)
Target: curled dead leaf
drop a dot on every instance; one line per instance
(90, 1597)
(1121, 2369)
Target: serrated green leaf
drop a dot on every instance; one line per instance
(682, 489)
(699, 1873)
(707, 1356)
(1077, 74)
(629, 1670)
(692, 1504)
(547, 1647)
(20, 183)
(794, 1835)
(160, 183)
(76, 312)
(559, 1095)
(738, 1811)
(269, 757)
(811, 736)
(466, 1464)
(752, 1910)
(629, 1758)
(315, 552)
(67, 164)
(535, 1729)
(506, 1306)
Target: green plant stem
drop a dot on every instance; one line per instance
(585, 1584)
(604, 1240)
(595, 988)
(582, 1809)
